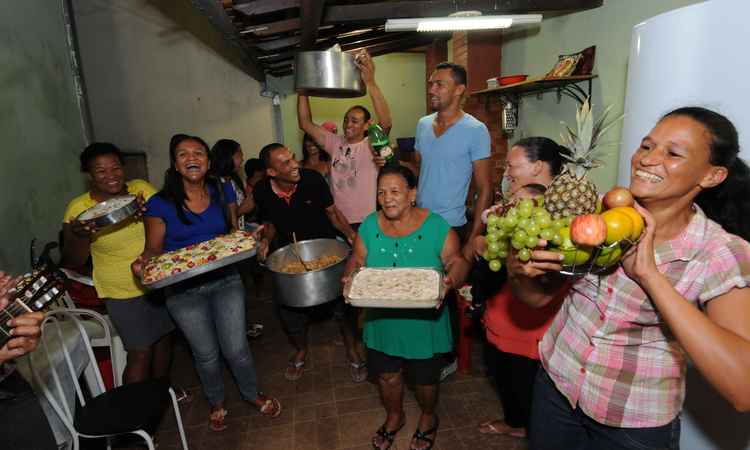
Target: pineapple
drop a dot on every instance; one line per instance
(571, 193)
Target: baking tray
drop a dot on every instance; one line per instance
(395, 303)
(113, 217)
(203, 268)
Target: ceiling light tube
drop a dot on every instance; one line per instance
(428, 24)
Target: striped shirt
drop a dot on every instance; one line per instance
(609, 351)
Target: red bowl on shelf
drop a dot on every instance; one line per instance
(511, 79)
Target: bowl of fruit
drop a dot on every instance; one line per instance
(595, 243)
(589, 243)
(591, 233)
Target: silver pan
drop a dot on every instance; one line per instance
(113, 217)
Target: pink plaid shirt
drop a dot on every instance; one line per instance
(608, 350)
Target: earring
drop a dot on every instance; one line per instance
(413, 203)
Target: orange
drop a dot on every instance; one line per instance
(637, 219)
(619, 226)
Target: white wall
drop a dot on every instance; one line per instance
(534, 51)
(154, 68)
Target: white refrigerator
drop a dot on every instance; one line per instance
(697, 55)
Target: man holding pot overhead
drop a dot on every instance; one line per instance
(296, 203)
(353, 171)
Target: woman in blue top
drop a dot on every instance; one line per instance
(193, 207)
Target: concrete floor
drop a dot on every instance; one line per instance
(325, 410)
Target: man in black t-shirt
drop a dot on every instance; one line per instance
(296, 201)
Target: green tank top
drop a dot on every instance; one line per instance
(407, 333)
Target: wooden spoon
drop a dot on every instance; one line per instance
(296, 252)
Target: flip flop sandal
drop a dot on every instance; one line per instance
(271, 406)
(216, 420)
(356, 372)
(422, 435)
(388, 436)
(294, 370)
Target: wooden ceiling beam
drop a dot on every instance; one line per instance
(312, 12)
(367, 41)
(257, 7)
(273, 45)
(218, 17)
(379, 11)
(400, 45)
(271, 28)
(270, 59)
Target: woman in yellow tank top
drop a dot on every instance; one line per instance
(142, 322)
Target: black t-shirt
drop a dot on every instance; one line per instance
(305, 214)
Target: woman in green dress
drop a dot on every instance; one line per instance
(407, 340)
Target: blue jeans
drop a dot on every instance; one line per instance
(212, 318)
(555, 425)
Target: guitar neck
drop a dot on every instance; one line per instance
(33, 293)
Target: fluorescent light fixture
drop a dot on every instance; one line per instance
(428, 24)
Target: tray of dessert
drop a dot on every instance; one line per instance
(188, 262)
(110, 212)
(413, 287)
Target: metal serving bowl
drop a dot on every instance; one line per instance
(113, 217)
(327, 74)
(308, 288)
(590, 266)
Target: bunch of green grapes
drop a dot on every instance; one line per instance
(520, 229)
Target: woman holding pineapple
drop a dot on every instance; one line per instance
(614, 358)
(512, 327)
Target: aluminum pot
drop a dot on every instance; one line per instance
(308, 288)
(327, 74)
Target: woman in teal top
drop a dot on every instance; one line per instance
(401, 235)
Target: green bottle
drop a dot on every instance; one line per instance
(380, 143)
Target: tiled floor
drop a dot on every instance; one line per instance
(325, 410)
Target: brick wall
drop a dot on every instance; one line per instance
(480, 53)
(436, 53)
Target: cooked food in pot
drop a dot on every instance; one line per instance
(313, 264)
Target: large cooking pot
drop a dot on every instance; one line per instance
(327, 74)
(309, 288)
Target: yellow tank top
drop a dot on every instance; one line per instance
(113, 250)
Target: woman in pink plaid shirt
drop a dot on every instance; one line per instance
(614, 358)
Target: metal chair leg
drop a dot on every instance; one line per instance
(146, 437)
(178, 416)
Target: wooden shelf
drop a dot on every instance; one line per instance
(565, 85)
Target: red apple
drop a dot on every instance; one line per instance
(618, 196)
(589, 229)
